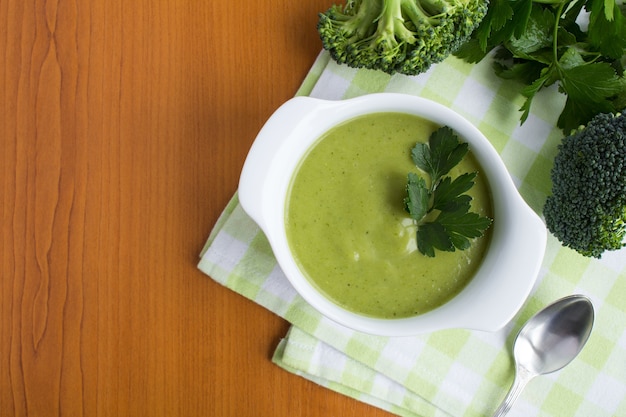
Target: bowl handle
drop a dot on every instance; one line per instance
(258, 163)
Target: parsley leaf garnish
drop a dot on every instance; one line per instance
(440, 208)
(541, 43)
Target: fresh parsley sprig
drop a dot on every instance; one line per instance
(542, 42)
(441, 209)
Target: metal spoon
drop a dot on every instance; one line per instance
(548, 341)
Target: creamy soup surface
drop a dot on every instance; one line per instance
(348, 229)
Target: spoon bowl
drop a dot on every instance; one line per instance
(548, 341)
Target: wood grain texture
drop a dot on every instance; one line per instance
(123, 128)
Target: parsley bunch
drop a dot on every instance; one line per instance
(440, 209)
(577, 44)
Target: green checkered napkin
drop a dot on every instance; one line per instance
(451, 372)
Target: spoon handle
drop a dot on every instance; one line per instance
(522, 376)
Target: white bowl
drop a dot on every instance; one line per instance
(508, 271)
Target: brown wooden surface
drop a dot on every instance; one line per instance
(123, 127)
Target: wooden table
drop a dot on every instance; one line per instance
(123, 127)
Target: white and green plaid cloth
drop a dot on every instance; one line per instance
(452, 372)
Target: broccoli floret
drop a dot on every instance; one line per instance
(587, 208)
(405, 36)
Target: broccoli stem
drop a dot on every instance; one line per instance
(391, 26)
(420, 15)
(359, 25)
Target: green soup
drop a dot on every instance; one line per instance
(348, 230)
